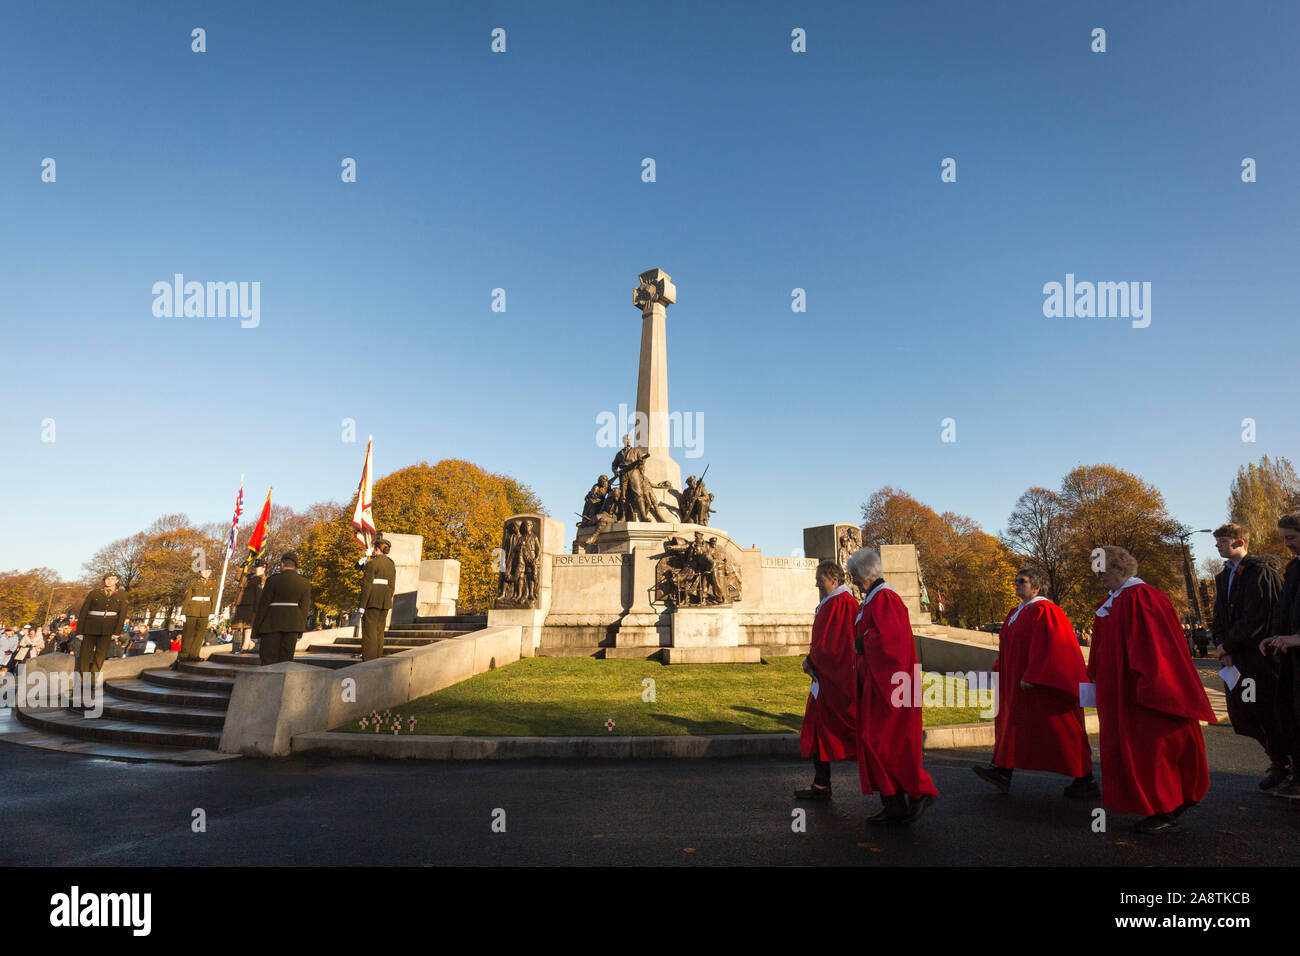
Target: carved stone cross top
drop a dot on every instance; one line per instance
(656, 288)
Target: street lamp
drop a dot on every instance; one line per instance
(1189, 579)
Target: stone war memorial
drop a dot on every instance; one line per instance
(648, 574)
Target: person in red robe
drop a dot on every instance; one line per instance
(1039, 723)
(830, 716)
(1149, 701)
(889, 730)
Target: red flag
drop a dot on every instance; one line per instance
(257, 540)
(363, 518)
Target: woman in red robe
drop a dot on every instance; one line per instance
(889, 729)
(830, 716)
(1149, 701)
(1039, 722)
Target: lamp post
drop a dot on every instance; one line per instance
(1189, 579)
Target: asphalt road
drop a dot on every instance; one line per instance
(77, 811)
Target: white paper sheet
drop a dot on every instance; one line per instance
(815, 689)
(1087, 695)
(1230, 676)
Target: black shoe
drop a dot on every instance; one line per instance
(1288, 791)
(893, 813)
(813, 793)
(1183, 808)
(889, 818)
(995, 775)
(1083, 788)
(918, 807)
(1158, 823)
(1276, 777)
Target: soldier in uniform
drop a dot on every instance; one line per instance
(376, 598)
(102, 615)
(282, 612)
(197, 607)
(250, 589)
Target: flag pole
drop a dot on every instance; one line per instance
(221, 586)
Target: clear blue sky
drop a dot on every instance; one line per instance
(522, 171)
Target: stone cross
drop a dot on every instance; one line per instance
(653, 296)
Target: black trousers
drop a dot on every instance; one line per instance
(277, 646)
(372, 633)
(1261, 718)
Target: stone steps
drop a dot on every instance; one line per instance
(187, 681)
(119, 731)
(151, 693)
(572, 650)
(209, 718)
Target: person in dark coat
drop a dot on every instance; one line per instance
(1245, 592)
(1283, 644)
(376, 599)
(250, 591)
(282, 612)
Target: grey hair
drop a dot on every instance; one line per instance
(865, 563)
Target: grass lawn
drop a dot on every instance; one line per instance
(575, 696)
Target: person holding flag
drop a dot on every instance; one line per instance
(376, 599)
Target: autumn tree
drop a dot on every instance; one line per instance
(1037, 531)
(25, 595)
(457, 507)
(968, 571)
(1261, 493)
(174, 550)
(1107, 505)
(122, 557)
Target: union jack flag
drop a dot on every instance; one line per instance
(234, 522)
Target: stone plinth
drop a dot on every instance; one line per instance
(745, 654)
(823, 542)
(705, 627)
(901, 571)
(405, 552)
(623, 536)
(439, 588)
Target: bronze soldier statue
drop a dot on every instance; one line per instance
(377, 588)
(638, 492)
(594, 502)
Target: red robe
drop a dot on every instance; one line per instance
(830, 718)
(1149, 702)
(1042, 728)
(889, 735)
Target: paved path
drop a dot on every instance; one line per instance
(70, 810)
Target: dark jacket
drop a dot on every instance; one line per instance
(284, 605)
(1286, 612)
(1242, 618)
(250, 592)
(102, 613)
(378, 584)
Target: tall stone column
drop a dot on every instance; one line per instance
(653, 296)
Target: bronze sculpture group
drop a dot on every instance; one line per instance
(695, 573)
(633, 497)
(517, 584)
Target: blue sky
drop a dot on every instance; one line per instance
(522, 171)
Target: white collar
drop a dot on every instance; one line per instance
(882, 586)
(1024, 604)
(842, 589)
(1104, 610)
